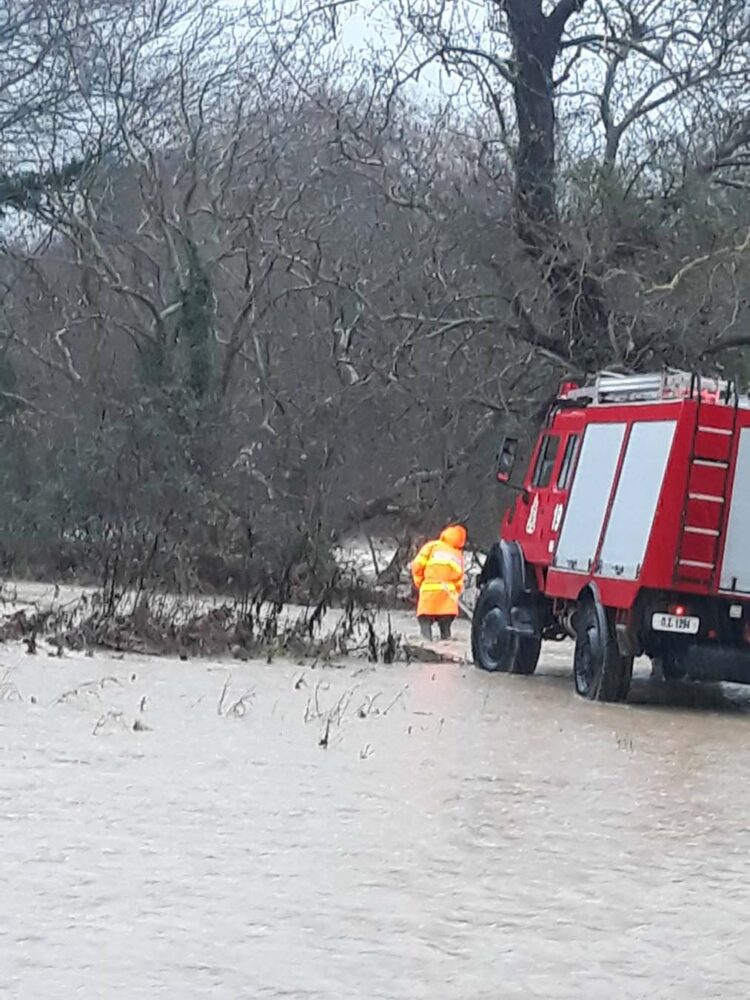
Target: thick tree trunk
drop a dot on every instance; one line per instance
(535, 48)
(575, 289)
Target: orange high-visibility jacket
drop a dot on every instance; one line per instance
(438, 573)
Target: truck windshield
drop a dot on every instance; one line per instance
(546, 461)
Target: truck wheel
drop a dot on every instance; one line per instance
(493, 646)
(527, 655)
(600, 670)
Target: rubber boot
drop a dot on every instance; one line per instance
(445, 627)
(425, 627)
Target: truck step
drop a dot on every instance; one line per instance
(712, 444)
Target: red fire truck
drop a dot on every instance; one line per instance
(630, 534)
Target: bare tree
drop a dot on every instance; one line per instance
(266, 297)
(633, 87)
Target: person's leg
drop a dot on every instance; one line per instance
(425, 626)
(444, 623)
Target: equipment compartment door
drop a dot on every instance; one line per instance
(638, 491)
(589, 497)
(735, 571)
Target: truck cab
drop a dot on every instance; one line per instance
(537, 517)
(630, 534)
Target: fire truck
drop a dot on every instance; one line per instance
(630, 534)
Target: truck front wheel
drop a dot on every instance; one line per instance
(601, 672)
(494, 646)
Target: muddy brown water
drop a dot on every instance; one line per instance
(461, 836)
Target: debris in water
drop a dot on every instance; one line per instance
(367, 706)
(220, 706)
(323, 741)
(395, 701)
(111, 721)
(239, 707)
(8, 690)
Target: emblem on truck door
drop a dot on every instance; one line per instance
(557, 517)
(533, 513)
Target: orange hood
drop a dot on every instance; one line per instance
(455, 535)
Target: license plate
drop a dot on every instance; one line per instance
(675, 623)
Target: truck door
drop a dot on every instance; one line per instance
(548, 489)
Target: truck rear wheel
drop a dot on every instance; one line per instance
(670, 664)
(494, 646)
(600, 670)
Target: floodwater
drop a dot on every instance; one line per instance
(457, 836)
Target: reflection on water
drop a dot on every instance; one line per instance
(460, 835)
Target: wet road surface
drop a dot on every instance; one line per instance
(400, 832)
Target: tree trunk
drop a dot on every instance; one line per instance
(535, 49)
(575, 287)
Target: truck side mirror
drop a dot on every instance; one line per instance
(506, 459)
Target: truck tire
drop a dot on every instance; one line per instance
(527, 655)
(493, 646)
(600, 670)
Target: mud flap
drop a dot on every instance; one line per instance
(627, 643)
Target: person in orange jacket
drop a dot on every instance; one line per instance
(438, 574)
